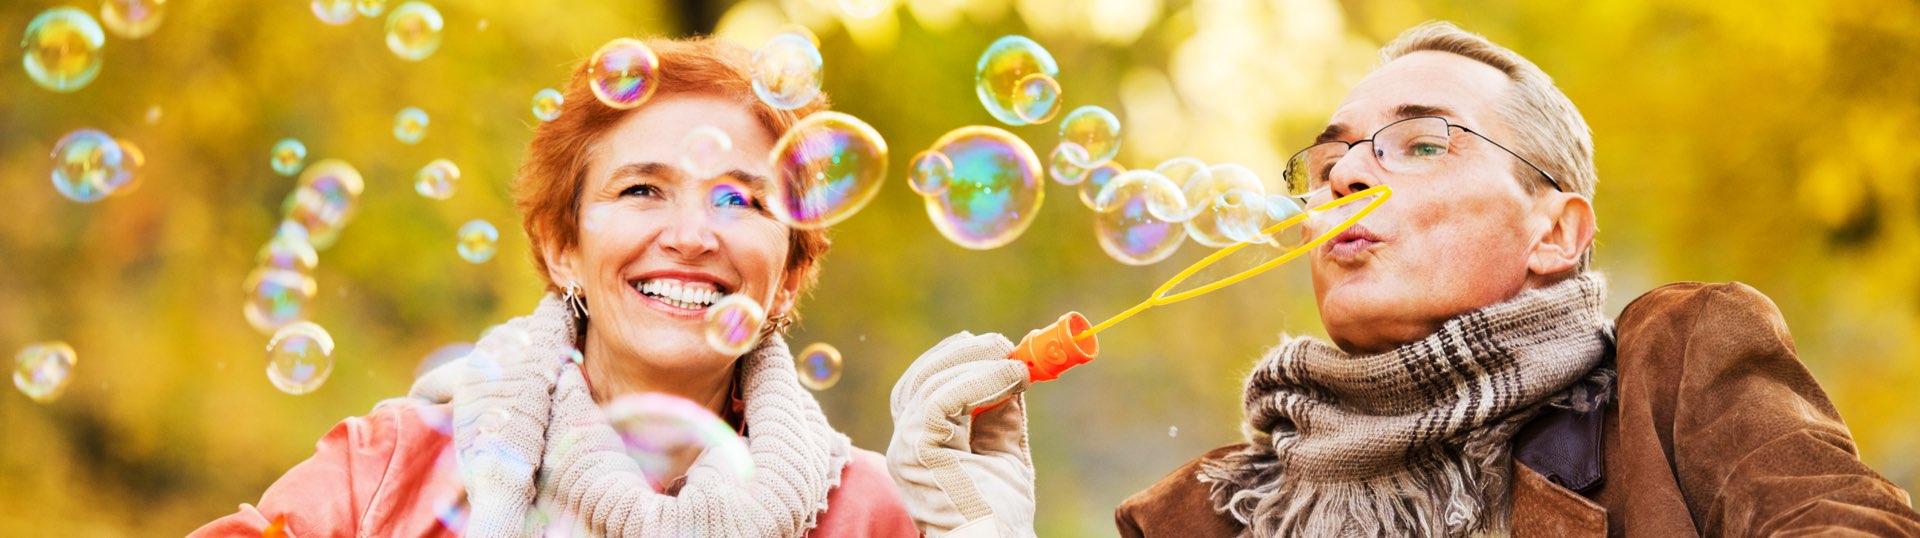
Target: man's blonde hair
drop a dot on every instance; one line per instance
(1548, 131)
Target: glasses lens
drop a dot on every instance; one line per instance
(1307, 171)
(1412, 144)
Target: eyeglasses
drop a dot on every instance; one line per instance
(1408, 145)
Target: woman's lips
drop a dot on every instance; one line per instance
(668, 309)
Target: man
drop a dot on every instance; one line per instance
(1472, 385)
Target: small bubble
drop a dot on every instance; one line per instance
(41, 371)
(704, 151)
(413, 31)
(1002, 67)
(1036, 98)
(1095, 130)
(324, 200)
(546, 104)
(478, 240)
(787, 71)
(733, 324)
(819, 366)
(1125, 224)
(1063, 164)
(667, 435)
(132, 19)
(437, 180)
(370, 8)
(622, 73)
(277, 298)
(289, 155)
(334, 12)
(929, 173)
(1097, 179)
(410, 125)
(1173, 431)
(89, 165)
(300, 358)
(63, 49)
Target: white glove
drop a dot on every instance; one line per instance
(964, 475)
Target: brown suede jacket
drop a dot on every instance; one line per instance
(1716, 429)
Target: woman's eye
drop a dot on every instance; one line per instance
(729, 196)
(640, 190)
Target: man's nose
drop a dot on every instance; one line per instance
(1356, 171)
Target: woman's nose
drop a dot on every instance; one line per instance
(690, 234)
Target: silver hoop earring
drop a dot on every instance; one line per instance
(576, 299)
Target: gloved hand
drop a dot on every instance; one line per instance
(964, 475)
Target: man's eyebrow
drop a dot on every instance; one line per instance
(1337, 131)
(1333, 132)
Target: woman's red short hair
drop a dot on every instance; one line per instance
(547, 189)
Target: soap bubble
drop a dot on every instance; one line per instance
(1184, 171)
(1095, 130)
(324, 200)
(546, 104)
(621, 74)
(1097, 179)
(1036, 98)
(1005, 63)
(334, 12)
(703, 151)
(733, 324)
(132, 19)
(819, 366)
(89, 165)
(410, 125)
(370, 8)
(478, 240)
(288, 253)
(995, 190)
(299, 358)
(1063, 165)
(437, 180)
(41, 371)
(666, 433)
(413, 31)
(132, 163)
(288, 156)
(1204, 192)
(787, 71)
(1126, 224)
(1239, 215)
(1279, 208)
(929, 173)
(828, 166)
(276, 297)
(63, 49)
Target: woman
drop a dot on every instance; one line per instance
(634, 246)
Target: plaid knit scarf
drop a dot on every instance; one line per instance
(1413, 441)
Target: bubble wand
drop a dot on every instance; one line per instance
(1070, 341)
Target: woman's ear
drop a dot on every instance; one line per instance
(1569, 233)
(560, 264)
(788, 295)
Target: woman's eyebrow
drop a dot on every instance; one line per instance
(645, 169)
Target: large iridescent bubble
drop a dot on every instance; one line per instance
(42, 371)
(299, 358)
(63, 49)
(665, 434)
(324, 200)
(89, 165)
(828, 167)
(1125, 222)
(787, 71)
(994, 191)
(413, 31)
(622, 74)
(1003, 67)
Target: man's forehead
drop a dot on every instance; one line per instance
(1425, 83)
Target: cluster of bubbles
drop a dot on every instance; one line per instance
(299, 358)
(819, 366)
(666, 434)
(41, 371)
(89, 165)
(1141, 213)
(733, 324)
(414, 29)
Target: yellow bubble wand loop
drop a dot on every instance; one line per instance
(1070, 341)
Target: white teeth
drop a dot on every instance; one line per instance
(689, 295)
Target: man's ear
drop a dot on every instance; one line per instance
(1568, 234)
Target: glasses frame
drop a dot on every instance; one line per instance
(1450, 127)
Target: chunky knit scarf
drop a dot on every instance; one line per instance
(526, 431)
(1413, 441)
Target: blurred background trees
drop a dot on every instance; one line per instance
(1766, 142)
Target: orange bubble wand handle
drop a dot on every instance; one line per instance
(1053, 350)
